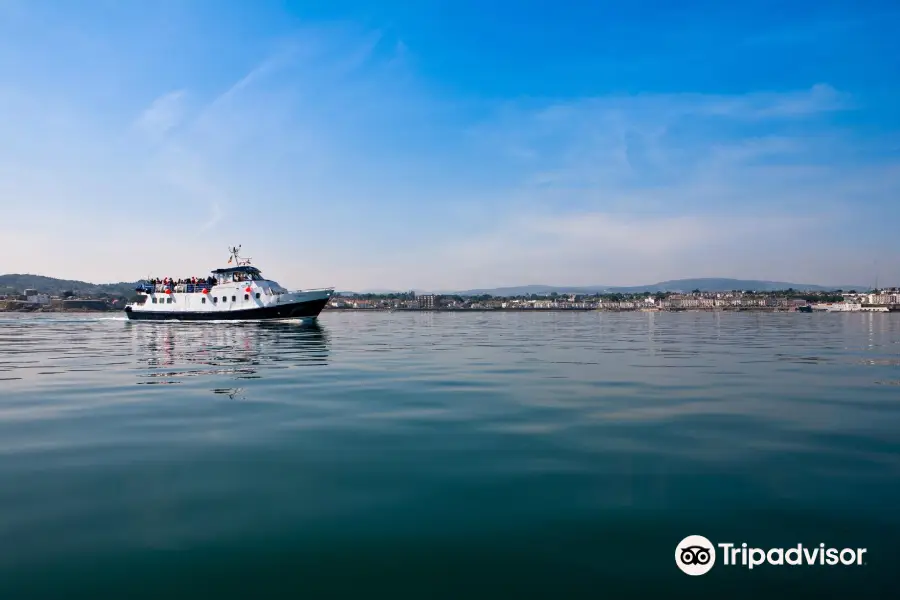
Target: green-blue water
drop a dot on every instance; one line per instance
(378, 455)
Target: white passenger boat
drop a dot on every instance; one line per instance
(236, 293)
(849, 307)
(837, 307)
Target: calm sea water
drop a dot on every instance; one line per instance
(445, 455)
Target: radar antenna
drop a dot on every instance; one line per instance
(236, 258)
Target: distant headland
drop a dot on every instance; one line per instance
(708, 284)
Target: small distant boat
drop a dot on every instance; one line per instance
(238, 293)
(850, 307)
(837, 307)
(805, 309)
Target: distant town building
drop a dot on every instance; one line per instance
(43, 299)
(429, 301)
(34, 297)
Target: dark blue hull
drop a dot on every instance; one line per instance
(298, 310)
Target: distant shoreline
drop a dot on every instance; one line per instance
(520, 310)
(451, 310)
(59, 310)
(763, 309)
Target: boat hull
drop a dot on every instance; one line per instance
(309, 309)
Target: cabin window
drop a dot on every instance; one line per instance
(257, 295)
(203, 300)
(233, 299)
(215, 300)
(169, 300)
(154, 300)
(246, 296)
(224, 298)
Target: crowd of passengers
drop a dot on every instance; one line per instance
(169, 282)
(181, 285)
(194, 284)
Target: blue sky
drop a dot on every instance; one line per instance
(451, 145)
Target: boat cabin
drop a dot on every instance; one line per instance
(238, 274)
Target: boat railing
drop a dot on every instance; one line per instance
(160, 288)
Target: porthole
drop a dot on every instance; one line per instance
(224, 298)
(203, 300)
(246, 296)
(215, 300)
(233, 299)
(154, 301)
(169, 300)
(257, 295)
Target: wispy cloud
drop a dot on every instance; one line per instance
(820, 98)
(596, 248)
(186, 159)
(630, 189)
(165, 113)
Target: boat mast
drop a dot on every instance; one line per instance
(233, 255)
(236, 258)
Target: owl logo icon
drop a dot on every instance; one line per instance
(695, 555)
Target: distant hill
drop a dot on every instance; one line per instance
(527, 290)
(716, 284)
(17, 283)
(676, 285)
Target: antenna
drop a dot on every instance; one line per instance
(235, 256)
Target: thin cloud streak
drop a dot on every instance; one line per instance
(161, 116)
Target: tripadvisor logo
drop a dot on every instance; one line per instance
(696, 555)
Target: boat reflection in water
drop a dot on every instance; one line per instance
(172, 352)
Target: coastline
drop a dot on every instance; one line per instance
(530, 310)
(762, 309)
(59, 310)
